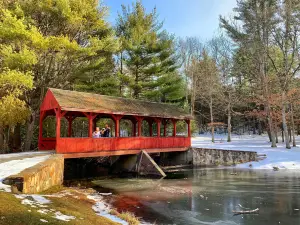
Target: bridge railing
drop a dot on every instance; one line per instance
(78, 145)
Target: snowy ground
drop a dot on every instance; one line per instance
(276, 157)
(11, 156)
(13, 167)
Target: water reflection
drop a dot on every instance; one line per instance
(208, 196)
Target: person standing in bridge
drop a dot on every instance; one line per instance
(97, 133)
(106, 131)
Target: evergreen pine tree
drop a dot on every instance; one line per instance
(148, 53)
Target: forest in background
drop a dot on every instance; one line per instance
(245, 79)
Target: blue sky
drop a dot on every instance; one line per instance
(182, 17)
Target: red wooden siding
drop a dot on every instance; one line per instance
(47, 143)
(49, 103)
(76, 145)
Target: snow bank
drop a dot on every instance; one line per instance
(103, 209)
(24, 154)
(276, 157)
(16, 166)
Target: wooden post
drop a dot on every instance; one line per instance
(58, 117)
(117, 119)
(117, 128)
(91, 117)
(174, 127)
(189, 127)
(139, 120)
(158, 123)
(90, 126)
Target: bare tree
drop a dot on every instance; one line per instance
(207, 84)
(222, 51)
(190, 49)
(256, 18)
(284, 54)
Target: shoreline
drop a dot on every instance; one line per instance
(61, 204)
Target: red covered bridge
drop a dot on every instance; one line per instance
(72, 104)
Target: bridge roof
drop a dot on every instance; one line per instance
(89, 102)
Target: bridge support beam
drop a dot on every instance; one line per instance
(142, 164)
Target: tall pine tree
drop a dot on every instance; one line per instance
(147, 54)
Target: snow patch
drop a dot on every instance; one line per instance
(43, 211)
(34, 200)
(40, 199)
(276, 157)
(58, 215)
(24, 154)
(40, 202)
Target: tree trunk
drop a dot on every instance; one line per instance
(293, 126)
(11, 139)
(259, 127)
(1, 140)
(284, 124)
(276, 134)
(254, 126)
(17, 137)
(212, 120)
(272, 135)
(269, 135)
(229, 124)
(29, 132)
(136, 90)
(282, 134)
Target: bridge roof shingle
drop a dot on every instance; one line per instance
(90, 102)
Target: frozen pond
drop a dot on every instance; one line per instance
(208, 196)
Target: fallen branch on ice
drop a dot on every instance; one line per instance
(246, 212)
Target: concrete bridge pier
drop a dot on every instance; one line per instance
(176, 158)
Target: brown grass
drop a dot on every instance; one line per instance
(12, 212)
(127, 216)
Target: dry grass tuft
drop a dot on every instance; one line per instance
(127, 216)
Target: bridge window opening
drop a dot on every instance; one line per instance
(181, 128)
(80, 127)
(49, 127)
(154, 129)
(145, 128)
(101, 121)
(168, 128)
(126, 128)
(64, 126)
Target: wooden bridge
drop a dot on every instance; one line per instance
(71, 104)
